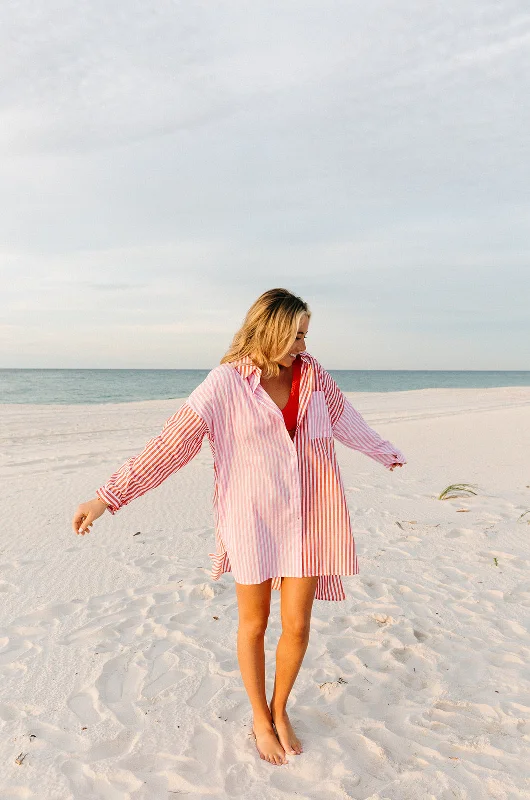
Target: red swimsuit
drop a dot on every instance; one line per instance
(290, 412)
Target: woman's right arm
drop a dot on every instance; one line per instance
(178, 442)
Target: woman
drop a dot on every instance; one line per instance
(270, 412)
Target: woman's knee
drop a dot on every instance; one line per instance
(253, 628)
(296, 628)
(254, 602)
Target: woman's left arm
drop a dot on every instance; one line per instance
(352, 430)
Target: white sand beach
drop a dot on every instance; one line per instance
(118, 671)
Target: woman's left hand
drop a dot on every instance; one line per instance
(395, 465)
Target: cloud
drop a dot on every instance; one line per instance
(161, 164)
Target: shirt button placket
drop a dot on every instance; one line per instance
(298, 502)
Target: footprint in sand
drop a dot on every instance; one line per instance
(402, 654)
(207, 590)
(65, 741)
(238, 779)
(164, 673)
(83, 705)
(204, 748)
(121, 745)
(458, 533)
(119, 686)
(208, 687)
(15, 653)
(87, 784)
(373, 587)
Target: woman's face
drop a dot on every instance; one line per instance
(298, 344)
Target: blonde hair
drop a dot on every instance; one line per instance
(268, 330)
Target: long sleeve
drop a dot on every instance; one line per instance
(352, 430)
(178, 442)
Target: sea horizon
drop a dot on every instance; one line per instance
(82, 385)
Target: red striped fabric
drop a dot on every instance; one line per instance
(279, 503)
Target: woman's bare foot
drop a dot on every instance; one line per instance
(269, 748)
(288, 738)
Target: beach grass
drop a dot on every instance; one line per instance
(457, 490)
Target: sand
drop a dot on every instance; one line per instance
(118, 669)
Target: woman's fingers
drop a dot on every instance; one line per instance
(79, 516)
(85, 528)
(82, 521)
(87, 514)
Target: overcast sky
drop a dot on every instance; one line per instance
(164, 163)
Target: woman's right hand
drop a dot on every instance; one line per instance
(86, 514)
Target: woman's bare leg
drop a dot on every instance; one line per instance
(297, 595)
(254, 607)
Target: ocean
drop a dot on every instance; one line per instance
(74, 386)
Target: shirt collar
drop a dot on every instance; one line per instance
(247, 369)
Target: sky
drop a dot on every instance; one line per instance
(164, 163)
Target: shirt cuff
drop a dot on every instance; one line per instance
(394, 458)
(113, 502)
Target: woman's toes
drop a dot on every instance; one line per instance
(268, 746)
(288, 738)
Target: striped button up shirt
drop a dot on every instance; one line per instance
(279, 504)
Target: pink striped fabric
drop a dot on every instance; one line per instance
(279, 504)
